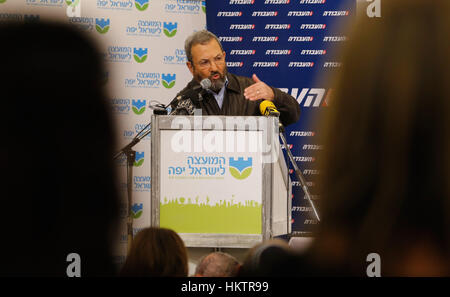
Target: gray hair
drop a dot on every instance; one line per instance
(199, 37)
(218, 264)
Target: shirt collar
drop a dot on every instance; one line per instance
(232, 84)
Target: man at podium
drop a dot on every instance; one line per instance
(226, 93)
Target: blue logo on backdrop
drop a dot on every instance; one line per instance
(139, 106)
(139, 159)
(130, 133)
(120, 54)
(143, 80)
(170, 29)
(142, 183)
(51, 3)
(120, 106)
(140, 54)
(84, 24)
(146, 28)
(183, 6)
(115, 4)
(168, 80)
(178, 57)
(102, 25)
(137, 210)
(28, 18)
(141, 5)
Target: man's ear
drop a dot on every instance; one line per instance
(190, 66)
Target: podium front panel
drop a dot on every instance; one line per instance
(211, 182)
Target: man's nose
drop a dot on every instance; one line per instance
(214, 67)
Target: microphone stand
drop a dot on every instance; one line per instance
(131, 157)
(298, 173)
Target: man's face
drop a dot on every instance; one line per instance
(208, 61)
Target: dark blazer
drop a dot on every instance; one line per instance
(235, 104)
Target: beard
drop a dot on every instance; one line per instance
(216, 84)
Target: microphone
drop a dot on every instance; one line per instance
(205, 84)
(185, 103)
(267, 108)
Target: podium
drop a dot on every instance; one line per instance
(219, 181)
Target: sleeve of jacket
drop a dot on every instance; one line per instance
(287, 106)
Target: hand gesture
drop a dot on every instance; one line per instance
(259, 90)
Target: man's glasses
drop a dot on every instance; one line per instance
(204, 63)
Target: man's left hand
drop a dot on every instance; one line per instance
(259, 90)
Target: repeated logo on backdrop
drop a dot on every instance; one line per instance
(140, 54)
(141, 5)
(49, 3)
(138, 5)
(170, 29)
(185, 6)
(102, 25)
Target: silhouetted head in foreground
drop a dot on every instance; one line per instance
(57, 155)
(386, 165)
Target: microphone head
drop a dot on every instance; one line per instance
(205, 83)
(268, 108)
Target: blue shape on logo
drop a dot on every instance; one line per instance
(170, 26)
(140, 52)
(141, 2)
(240, 164)
(138, 104)
(137, 208)
(168, 77)
(102, 23)
(139, 156)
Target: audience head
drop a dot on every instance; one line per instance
(60, 177)
(269, 258)
(156, 252)
(386, 164)
(217, 264)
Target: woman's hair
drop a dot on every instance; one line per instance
(156, 252)
(385, 167)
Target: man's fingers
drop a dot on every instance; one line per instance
(252, 92)
(255, 78)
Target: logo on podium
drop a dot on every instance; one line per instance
(240, 168)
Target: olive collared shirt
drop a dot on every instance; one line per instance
(235, 104)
